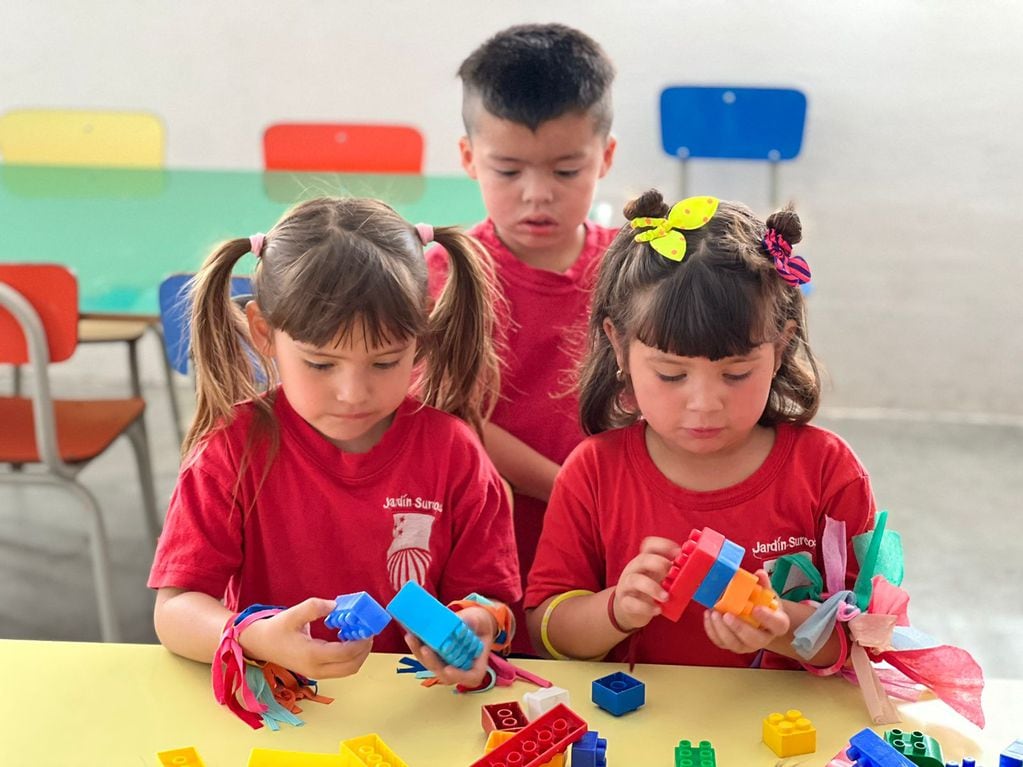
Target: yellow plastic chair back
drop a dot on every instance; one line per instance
(79, 137)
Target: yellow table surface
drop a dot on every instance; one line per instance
(96, 705)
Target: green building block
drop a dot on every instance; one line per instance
(920, 749)
(700, 756)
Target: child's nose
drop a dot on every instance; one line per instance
(704, 396)
(353, 389)
(538, 188)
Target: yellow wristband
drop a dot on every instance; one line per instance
(547, 618)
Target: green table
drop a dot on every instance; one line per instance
(123, 231)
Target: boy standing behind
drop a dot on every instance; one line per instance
(537, 111)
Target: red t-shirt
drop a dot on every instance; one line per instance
(609, 496)
(424, 504)
(542, 338)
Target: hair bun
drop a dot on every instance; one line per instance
(786, 223)
(649, 204)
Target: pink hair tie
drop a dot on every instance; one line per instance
(793, 269)
(256, 243)
(425, 233)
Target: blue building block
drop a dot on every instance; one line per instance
(868, 749)
(439, 628)
(1012, 756)
(357, 616)
(618, 693)
(589, 751)
(965, 763)
(721, 573)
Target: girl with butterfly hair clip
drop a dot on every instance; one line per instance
(697, 390)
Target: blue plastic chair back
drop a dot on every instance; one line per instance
(175, 315)
(734, 123)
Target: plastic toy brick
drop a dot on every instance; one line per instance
(180, 757)
(618, 693)
(507, 717)
(357, 616)
(539, 741)
(270, 757)
(744, 593)
(537, 702)
(437, 626)
(721, 573)
(1012, 756)
(368, 751)
(790, 733)
(870, 750)
(922, 750)
(590, 751)
(965, 763)
(497, 737)
(687, 755)
(689, 569)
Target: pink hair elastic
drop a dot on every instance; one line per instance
(256, 243)
(425, 233)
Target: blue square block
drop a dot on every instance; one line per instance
(357, 616)
(618, 693)
(721, 573)
(438, 627)
(590, 751)
(1012, 756)
(869, 749)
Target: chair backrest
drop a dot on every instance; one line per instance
(176, 315)
(343, 148)
(79, 137)
(735, 123)
(52, 291)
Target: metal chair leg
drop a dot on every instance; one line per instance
(171, 393)
(109, 629)
(140, 444)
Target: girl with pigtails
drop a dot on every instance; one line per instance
(697, 390)
(351, 461)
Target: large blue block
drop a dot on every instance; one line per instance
(357, 616)
(437, 626)
(721, 573)
(589, 751)
(869, 749)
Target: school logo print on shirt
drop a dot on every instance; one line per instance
(408, 557)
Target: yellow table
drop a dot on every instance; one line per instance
(95, 705)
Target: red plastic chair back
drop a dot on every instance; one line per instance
(343, 148)
(53, 292)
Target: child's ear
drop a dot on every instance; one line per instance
(467, 156)
(609, 155)
(616, 343)
(259, 329)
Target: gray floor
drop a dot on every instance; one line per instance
(952, 484)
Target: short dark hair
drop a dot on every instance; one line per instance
(532, 73)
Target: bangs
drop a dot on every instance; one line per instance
(700, 312)
(373, 294)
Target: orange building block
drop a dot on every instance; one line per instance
(180, 757)
(790, 733)
(497, 737)
(742, 594)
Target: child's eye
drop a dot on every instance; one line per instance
(385, 365)
(321, 366)
(567, 173)
(738, 376)
(671, 379)
(507, 173)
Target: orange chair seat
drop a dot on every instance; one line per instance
(85, 428)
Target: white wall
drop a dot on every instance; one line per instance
(907, 183)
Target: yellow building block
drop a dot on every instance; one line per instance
(368, 751)
(270, 757)
(790, 733)
(180, 757)
(497, 737)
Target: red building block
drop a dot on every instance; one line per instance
(539, 741)
(503, 716)
(690, 567)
